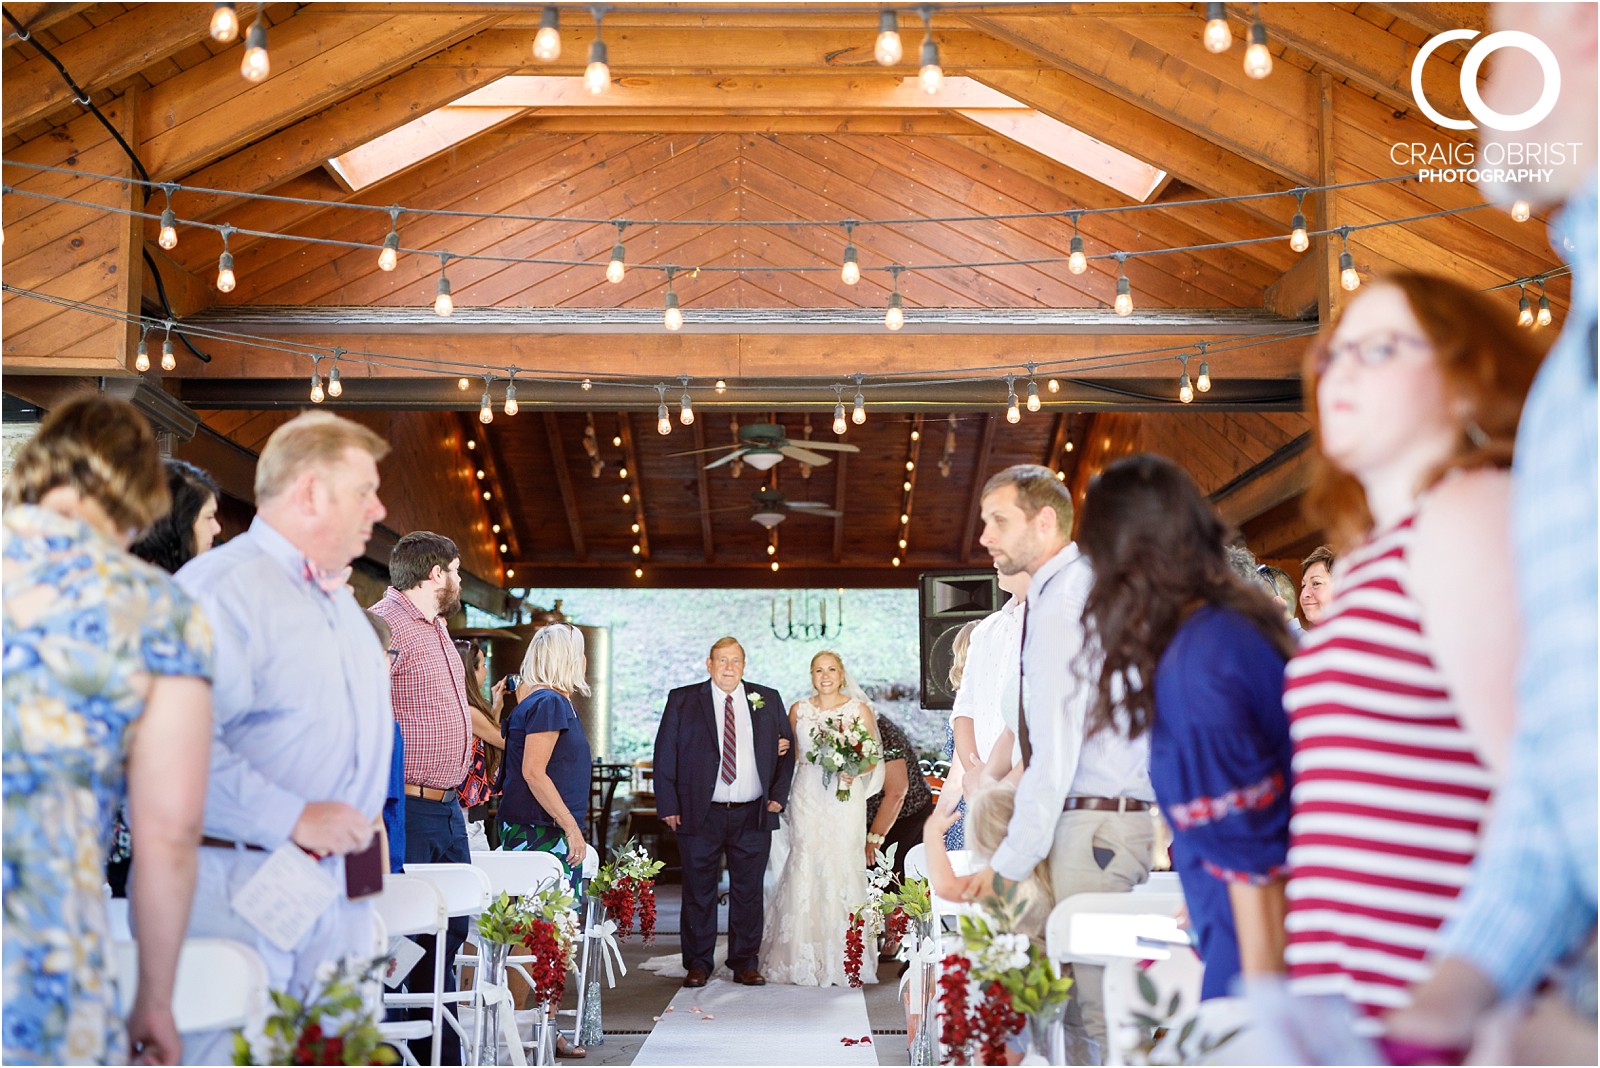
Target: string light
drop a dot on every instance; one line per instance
(850, 273)
(1185, 390)
(838, 410)
(916, 435)
(1521, 210)
(511, 572)
(1524, 309)
(895, 316)
(481, 474)
(1068, 447)
(141, 358)
(1203, 383)
(858, 414)
(1054, 385)
(389, 258)
(930, 74)
(1298, 239)
(335, 387)
(663, 424)
(1545, 317)
(225, 278)
(1033, 391)
(547, 42)
(1349, 279)
(1218, 36)
(169, 359)
(597, 75)
(638, 572)
(462, 384)
(472, 443)
(486, 494)
(1257, 60)
(1077, 262)
(886, 50)
(256, 65)
(224, 23)
(685, 405)
(1013, 415)
(168, 238)
(511, 406)
(721, 387)
(1124, 301)
(636, 528)
(486, 406)
(895, 561)
(617, 268)
(443, 305)
(627, 498)
(316, 382)
(587, 386)
(616, 441)
(672, 314)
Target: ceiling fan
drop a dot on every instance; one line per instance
(772, 508)
(763, 446)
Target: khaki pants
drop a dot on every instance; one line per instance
(1098, 853)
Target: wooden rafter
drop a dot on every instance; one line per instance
(1058, 440)
(980, 475)
(569, 499)
(703, 485)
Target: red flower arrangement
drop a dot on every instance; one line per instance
(548, 970)
(987, 1022)
(627, 887)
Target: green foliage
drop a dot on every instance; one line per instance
(999, 954)
(630, 860)
(332, 1026)
(912, 897)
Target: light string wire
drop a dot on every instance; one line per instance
(1118, 256)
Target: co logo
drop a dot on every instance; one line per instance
(1469, 80)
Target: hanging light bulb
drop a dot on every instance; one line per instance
(1124, 301)
(547, 42)
(256, 65)
(636, 548)
(511, 572)
(1068, 447)
(1077, 262)
(335, 387)
(462, 384)
(224, 23)
(774, 565)
(685, 406)
(1524, 310)
(225, 277)
(850, 273)
(894, 317)
(1203, 382)
(663, 424)
(638, 572)
(930, 74)
(316, 386)
(1257, 60)
(1054, 385)
(616, 441)
(1013, 415)
(672, 314)
(1218, 36)
(442, 304)
(627, 498)
(636, 528)
(1185, 390)
(1033, 396)
(895, 561)
(141, 358)
(838, 418)
(1349, 280)
(511, 406)
(169, 359)
(721, 387)
(858, 414)
(1299, 240)
(168, 238)
(1521, 210)
(389, 258)
(486, 406)
(597, 75)
(886, 50)
(772, 550)
(1545, 317)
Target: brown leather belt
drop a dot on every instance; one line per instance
(1106, 804)
(223, 843)
(430, 793)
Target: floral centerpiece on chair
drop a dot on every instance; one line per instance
(843, 745)
(626, 885)
(333, 1025)
(881, 914)
(996, 985)
(543, 922)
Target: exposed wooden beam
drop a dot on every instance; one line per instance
(101, 58)
(703, 484)
(980, 475)
(1069, 147)
(630, 456)
(1058, 440)
(1284, 474)
(1434, 18)
(885, 91)
(1297, 292)
(854, 574)
(569, 499)
(35, 18)
(713, 122)
(840, 461)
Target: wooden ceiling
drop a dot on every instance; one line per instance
(731, 114)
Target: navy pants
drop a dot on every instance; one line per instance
(740, 834)
(436, 833)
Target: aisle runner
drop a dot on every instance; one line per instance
(724, 1023)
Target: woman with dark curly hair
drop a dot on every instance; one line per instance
(1194, 654)
(189, 527)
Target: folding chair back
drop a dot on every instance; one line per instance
(221, 984)
(517, 873)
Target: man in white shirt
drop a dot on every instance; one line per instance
(1083, 802)
(986, 702)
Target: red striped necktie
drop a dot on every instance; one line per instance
(730, 742)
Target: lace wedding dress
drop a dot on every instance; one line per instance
(824, 877)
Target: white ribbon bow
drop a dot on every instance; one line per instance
(920, 955)
(500, 994)
(606, 934)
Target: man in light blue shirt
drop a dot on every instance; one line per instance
(302, 724)
(1532, 900)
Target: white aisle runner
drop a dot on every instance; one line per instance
(724, 1023)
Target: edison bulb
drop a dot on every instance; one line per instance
(511, 407)
(1185, 390)
(316, 389)
(886, 49)
(1077, 263)
(335, 387)
(1203, 383)
(1218, 36)
(932, 77)
(1349, 280)
(1521, 210)
(1124, 303)
(1299, 240)
(389, 258)
(1524, 312)
(461, 384)
(615, 270)
(225, 278)
(638, 572)
(774, 565)
(1544, 318)
(838, 418)
(850, 273)
(256, 66)
(597, 75)
(169, 360)
(1013, 415)
(858, 414)
(895, 317)
(663, 424)
(547, 42)
(1033, 397)
(141, 360)
(1257, 61)
(168, 239)
(442, 302)
(224, 23)
(485, 416)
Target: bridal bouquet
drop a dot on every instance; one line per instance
(627, 887)
(843, 745)
(333, 1025)
(544, 924)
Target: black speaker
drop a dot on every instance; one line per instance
(946, 602)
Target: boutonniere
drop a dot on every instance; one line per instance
(756, 701)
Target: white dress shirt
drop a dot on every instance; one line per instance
(746, 784)
(988, 691)
(1057, 702)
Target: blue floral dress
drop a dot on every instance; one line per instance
(86, 627)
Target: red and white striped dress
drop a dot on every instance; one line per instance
(1389, 794)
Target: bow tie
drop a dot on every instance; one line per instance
(326, 581)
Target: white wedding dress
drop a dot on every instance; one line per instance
(823, 877)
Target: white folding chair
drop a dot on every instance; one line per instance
(514, 873)
(221, 984)
(466, 892)
(412, 905)
(1160, 882)
(1116, 931)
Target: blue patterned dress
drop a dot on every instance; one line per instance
(86, 628)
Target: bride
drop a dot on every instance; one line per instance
(822, 879)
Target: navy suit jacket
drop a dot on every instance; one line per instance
(688, 753)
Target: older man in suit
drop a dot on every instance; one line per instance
(723, 764)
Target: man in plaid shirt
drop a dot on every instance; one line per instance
(427, 685)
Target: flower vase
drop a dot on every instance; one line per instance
(591, 1028)
(924, 1048)
(491, 975)
(1045, 1036)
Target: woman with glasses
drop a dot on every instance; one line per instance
(1400, 701)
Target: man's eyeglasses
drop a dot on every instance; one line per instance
(464, 645)
(1374, 350)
